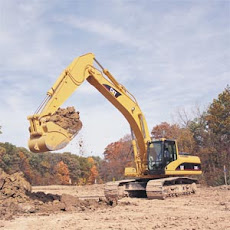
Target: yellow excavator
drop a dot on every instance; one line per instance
(160, 170)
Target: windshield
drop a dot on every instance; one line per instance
(160, 154)
(155, 156)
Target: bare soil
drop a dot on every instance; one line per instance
(17, 198)
(209, 208)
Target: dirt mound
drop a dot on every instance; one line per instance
(13, 187)
(68, 119)
(16, 198)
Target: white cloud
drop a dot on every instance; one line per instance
(105, 30)
(168, 55)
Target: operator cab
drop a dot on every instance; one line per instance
(160, 153)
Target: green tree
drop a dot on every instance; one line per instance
(218, 127)
(10, 159)
(218, 116)
(212, 137)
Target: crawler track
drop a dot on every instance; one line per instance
(116, 190)
(154, 189)
(169, 187)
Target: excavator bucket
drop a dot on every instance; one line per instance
(53, 132)
(52, 137)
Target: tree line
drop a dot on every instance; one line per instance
(49, 168)
(206, 135)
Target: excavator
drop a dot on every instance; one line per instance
(160, 172)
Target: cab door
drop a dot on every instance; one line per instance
(169, 152)
(156, 163)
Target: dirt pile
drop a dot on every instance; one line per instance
(13, 187)
(68, 119)
(16, 198)
(13, 190)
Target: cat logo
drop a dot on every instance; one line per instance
(113, 91)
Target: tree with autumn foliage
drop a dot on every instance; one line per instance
(94, 175)
(62, 173)
(45, 169)
(117, 156)
(183, 136)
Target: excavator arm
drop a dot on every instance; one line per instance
(45, 135)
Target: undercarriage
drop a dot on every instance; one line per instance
(150, 188)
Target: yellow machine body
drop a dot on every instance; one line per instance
(47, 136)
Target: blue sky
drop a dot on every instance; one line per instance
(171, 55)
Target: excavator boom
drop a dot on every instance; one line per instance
(48, 136)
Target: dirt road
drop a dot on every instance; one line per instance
(208, 209)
